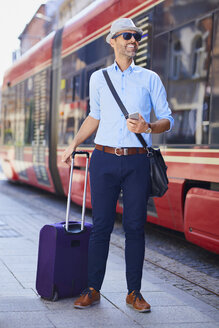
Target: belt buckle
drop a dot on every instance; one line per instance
(125, 151)
(116, 149)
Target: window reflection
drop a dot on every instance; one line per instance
(176, 59)
(197, 52)
(214, 115)
(70, 121)
(8, 128)
(188, 89)
(76, 88)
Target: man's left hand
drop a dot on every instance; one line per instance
(137, 126)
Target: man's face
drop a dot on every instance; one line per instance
(124, 48)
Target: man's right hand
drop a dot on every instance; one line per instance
(88, 127)
(66, 156)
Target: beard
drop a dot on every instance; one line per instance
(128, 51)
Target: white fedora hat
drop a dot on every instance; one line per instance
(122, 24)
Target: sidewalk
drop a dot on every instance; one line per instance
(20, 306)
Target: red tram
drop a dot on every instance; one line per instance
(45, 98)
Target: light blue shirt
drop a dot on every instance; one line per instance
(139, 89)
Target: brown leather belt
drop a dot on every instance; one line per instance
(121, 151)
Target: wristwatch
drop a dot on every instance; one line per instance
(149, 129)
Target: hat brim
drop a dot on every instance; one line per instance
(110, 35)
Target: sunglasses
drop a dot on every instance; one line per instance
(127, 36)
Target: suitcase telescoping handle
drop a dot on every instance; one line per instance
(69, 189)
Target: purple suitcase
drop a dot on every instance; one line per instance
(63, 252)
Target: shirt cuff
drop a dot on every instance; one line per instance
(171, 123)
(96, 116)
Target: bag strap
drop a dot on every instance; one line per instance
(121, 105)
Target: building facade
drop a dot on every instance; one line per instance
(50, 16)
(34, 31)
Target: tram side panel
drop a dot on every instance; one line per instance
(26, 101)
(186, 58)
(201, 218)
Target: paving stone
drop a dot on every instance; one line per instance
(21, 304)
(114, 286)
(21, 267)
(120, 285)
(168, 315)
(25, 320)
(16, 290)
(213, 314)
(26, 276)
(114, 275)
(182, 325)
(91, 317)
(21, 251)
(153, 298)
(6, 278)
(25, 259)
(67, 304)
(29, 284)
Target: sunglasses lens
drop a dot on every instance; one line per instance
(128, 36)
(137, 37)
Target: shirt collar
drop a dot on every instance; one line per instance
(129, 69)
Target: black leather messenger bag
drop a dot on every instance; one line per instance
(158, 168)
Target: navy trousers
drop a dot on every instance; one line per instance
(109, 174)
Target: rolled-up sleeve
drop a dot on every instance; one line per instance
(94, 97)
(159, 100)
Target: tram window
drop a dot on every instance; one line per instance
(196, 56)
(69, 126)
(188, 83)
(7, 126)
(88, 75)
(19, 114)
(176, 59)
(7, 117)
(184, 127)
(214, 114)
(41, 91)
(76, 88)
(71, 116)
(161, 56)
(29, 110)
(69, 132)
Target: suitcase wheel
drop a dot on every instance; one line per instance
(55, 296)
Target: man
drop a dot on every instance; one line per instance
(119, 162)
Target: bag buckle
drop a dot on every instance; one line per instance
(149, 152)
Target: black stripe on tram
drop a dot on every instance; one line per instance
(54, 108)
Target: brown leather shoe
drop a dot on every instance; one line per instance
(136, 300)
(87, 298)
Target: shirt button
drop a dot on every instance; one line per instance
(122, 75)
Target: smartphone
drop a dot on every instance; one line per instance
(134, 116)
